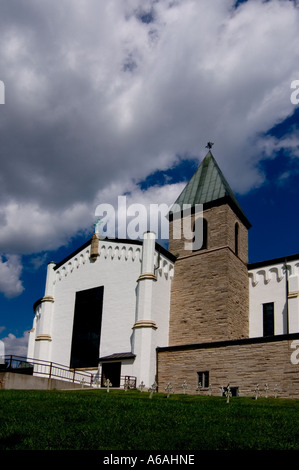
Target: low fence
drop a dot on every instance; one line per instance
(52, 370)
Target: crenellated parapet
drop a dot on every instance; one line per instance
(163, 267)
(106, 251)
(264, 275)
(116, 252)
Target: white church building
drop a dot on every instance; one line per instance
(111, 309)
(129, 308)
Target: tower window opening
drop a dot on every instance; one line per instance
(237, 239)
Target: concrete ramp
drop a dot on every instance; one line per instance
(14, 381)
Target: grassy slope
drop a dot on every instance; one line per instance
(97, 420)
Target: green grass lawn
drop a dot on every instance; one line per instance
(119, 420)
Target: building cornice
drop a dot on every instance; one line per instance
(210, 250)
(159, 248)
(233, 342)
(281, 260)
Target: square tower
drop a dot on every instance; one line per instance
(210, 289)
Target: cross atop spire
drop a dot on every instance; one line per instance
(209, 145)
(207, 186)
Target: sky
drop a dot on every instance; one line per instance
(104, 99)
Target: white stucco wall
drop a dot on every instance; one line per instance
(32, 335)
(161, 299)
(268, 283)
(117, 268)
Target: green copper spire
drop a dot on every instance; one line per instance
(207, 186)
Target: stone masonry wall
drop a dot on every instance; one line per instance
(243, 364)
(210, 290)
(209, 298)
(221, 222)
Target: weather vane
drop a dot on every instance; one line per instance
(209, 145)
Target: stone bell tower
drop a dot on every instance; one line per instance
(210, 289)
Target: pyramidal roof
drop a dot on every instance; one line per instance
(208, 186)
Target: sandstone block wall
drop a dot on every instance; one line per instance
(210, 290)
(221, 222)
(209, 298)
(243, 364)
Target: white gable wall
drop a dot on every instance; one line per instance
(117, 268)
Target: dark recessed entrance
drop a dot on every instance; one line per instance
(87, 328)
(234, 391)
(111, 371)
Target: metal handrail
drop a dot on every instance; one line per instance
(54, 370)
(46, 368)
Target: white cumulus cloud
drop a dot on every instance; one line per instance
(10, 271)
(16, 346)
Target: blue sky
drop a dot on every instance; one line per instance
(121, 98)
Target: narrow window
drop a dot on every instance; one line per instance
(203, 379)
(268, 319)
(237, 239)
